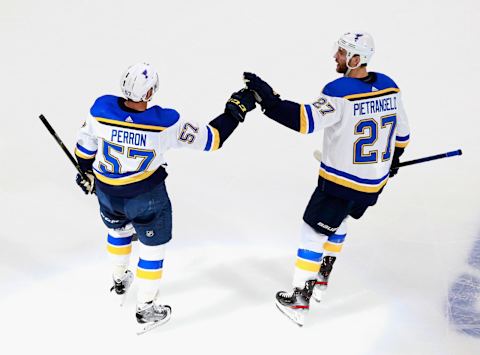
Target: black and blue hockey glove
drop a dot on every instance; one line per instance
(240, 103)
(264, 94)
(395, 161)
(87, 185)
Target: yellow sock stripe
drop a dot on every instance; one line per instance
(333, 247)
(303, 120)
(149, 275)
(124, 250)
(307, 265)
(216, 138)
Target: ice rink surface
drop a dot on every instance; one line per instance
(408, 278)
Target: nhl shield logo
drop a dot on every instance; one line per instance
(150, 233)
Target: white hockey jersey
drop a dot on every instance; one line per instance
(363, 122)
(128, 147)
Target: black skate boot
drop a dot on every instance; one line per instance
(150, 315)
(121, 286)
(295, 305)
(322, 278)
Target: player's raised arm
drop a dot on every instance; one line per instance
(303, 118)
(188, 134)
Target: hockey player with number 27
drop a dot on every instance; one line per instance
(365, 133)
(120, 148)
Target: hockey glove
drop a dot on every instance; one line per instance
(240, 103)
(395, 161)
(264, 94)
(87, 186)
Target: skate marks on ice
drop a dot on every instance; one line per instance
(217, 290)
(463, 308)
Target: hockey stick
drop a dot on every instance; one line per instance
(318, 155)
(429, 158)
(65, 150)
(69, 155)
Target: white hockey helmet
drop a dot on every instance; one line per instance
(357, 43)
(137, 81)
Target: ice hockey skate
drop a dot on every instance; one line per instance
(121, 286)
(295, 305)
(322, 279)
(151, 315)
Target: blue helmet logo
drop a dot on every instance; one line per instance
(357, 36)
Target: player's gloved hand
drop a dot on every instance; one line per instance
(395, 161)
(240, 103)
(264, 94)
(87, 185)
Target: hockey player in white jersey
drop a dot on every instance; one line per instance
(120, 148)
(365, 133)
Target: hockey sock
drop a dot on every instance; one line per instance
(149, 271)
(309, 255)
(119, 247)
(334, 244)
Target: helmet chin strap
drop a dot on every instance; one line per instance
(349, 57)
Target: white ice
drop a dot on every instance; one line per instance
(237, 212)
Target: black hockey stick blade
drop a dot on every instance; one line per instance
(60, 143)
(430, 158)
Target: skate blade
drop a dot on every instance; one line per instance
(119, 299)
(318, 296)
(145, 328)
(296, 317)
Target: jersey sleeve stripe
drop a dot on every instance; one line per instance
(208, 146)
(402, 141)
(78, 153)
(85, 150)
(216, 139)
(310, 118)
(303, 120)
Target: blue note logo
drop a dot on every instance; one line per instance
(463, 308)
(145, 73)
(357, 36)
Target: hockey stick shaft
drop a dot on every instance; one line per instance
(60, 143)
(430, 158)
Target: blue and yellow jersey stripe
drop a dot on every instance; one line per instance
(306, 119)
(213, 139)
(372, 94)
(84, 153)
(122, 179)
(141, 127)
(402, 141)
(351, 181)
